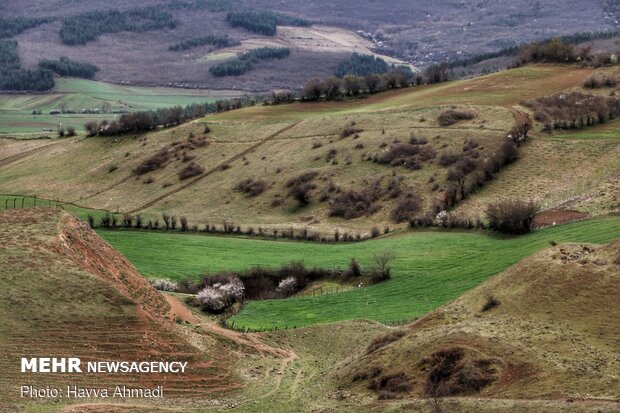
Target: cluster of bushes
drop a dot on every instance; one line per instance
(599, 80)
(86, 27)
(573, 110)
(14, 77)
(561, 50)
(149, 120)
(246, 61)
(406, 208)
(252, 187)
(12, 26)
(410, 154)
(67, 67)
(452, 116)
(192, 169)
(354, 204)
(512, 216)
(220, 293)
(214, 40)
(154, 162)
(216, 293)
(263, 21)
(300, 186)
(452, 372)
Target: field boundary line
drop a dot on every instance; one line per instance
(219, 167)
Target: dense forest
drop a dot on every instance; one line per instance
(12, 26)
(14, 77)
(263, 21)
(246, 61)
(213, 6)
(214, 40)
(87, 27)
(66, 67)
(362, 65)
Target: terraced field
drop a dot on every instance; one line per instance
(430, 268)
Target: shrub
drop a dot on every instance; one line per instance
(384, 340)
(192, 169)
(354, 269)
(450, 117)
(219, 296)
(389, 386)
(448, 158)
(490, 303)
(354, 204)
(157, 161)
(381, 270)
(162, 284)
(70, 131)
(112, 168)
(251, 187)
(409, 155)
(512, 216)
(300, 186)
(349, 130)
(598, 80)
(406, 208)
(287, 286)
(91, 221)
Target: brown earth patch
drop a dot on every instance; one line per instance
(554, 217)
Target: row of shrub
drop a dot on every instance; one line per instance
(172, 223)
(246, 61)
(164, 117)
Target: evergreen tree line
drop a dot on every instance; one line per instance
(66, 67)
(362, 65)
(136, 122)
(215, 40)
(213, 6)
(12, 26)
(246, 61)
(263, 21)
(86, 27)
(14, 77)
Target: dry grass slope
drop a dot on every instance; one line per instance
(547, 333)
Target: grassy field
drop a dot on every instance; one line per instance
(16, 109)
(429, 268)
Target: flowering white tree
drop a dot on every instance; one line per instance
(164, 285)
(219, 296)
(288, 285)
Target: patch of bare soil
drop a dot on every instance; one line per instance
(554, 217)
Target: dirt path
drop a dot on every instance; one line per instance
(215, 169)
(252, 340)
(22, 155)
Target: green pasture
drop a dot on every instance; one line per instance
(429, 268)
(77, 94)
